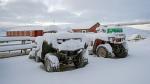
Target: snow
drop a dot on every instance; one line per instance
(32, 53)
(142, 27)
(133, 69)
(54, 60)
(67, 45)
(39, 41)
(64, 35)
(131, 30)
(36, 51)
(71, 45)
(16, 38)
(14, 43)
(16, 47)
(26, 28)
(52, 28)
(44, 28)
(135, 37)
(86, 53)
(2, 32)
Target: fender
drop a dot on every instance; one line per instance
(107, 46)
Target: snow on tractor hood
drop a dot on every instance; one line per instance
(105, 36)
(71, 45)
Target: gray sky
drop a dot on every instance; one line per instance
(72, 12)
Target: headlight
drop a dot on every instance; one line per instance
(111, 39)
(79, 51)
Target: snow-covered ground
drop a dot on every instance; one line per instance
(131, 30)
(134, 69)
(19, 38)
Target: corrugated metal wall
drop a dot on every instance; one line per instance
(32, 33)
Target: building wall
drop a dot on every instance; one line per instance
(91, 29)
(32, 33)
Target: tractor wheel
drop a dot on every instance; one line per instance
(102, 52)
(50, 65)
(31, 57)
(120, 51)
(80, 62)
(37, 59)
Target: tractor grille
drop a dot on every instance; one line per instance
(72, 53)
(118, 40)
(69, 53)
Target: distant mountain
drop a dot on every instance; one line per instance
(3, 31)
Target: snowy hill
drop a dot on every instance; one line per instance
(130, 31)
(3, 31)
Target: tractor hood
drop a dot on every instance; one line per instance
(70, 45)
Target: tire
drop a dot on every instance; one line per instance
(102, 52)
(37, 59)
(31, 57)
(48, 66)
(91, 52)
(80, 62)
(120, 51)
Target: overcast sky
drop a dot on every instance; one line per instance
(72, 12)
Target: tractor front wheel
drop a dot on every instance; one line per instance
(80, 61)
(51, 63)
(102, 52)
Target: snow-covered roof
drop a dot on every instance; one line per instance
(52, 28)
(45, 28)
(25, 28)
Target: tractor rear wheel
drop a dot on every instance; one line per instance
(120, 51)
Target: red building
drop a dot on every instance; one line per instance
(91, 29)
(32, 33)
